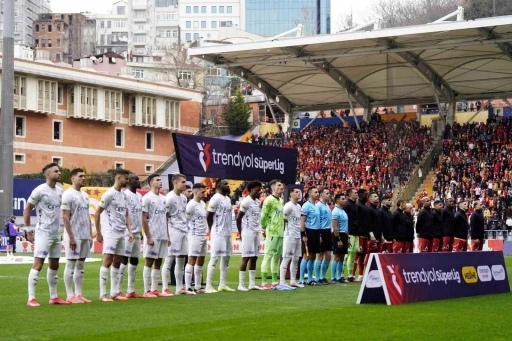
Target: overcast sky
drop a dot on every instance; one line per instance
(339, 7)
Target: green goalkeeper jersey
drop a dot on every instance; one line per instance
(272, 219)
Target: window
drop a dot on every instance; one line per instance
(58, 27)
(221, 9)
(150, 169)
(138, 73)
(16, 27)
(203, 9)
(148, 111)
(49, 28)
(102, 24)
(49, 43)
(119, 138)
(175, 34)
(214, 9)
(16, 11)
(196, 24)
(57, 160)
(57, 133)
(88, 102)
(196, 9)
(203, 24)
(138, 38)
(19, 85)
(188, 24)
(47, 96)
(196, 36)
(60, 91)
(188, 37)
(20, 126)
(58, 42)
(113, 105)
(229, 23)
(188, 10)
(43, 42)
(157, 59)
(172, 114)
(37, 42)
(185, 75)
(118, 164)
(121, 10)
(43, 28)
(37, 27)
(109, 24)
(214, 24)
(230, 9)
(150, 137)
(19, 157)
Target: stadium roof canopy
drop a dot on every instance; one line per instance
(453, 61)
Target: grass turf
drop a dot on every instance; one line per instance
(323, 312)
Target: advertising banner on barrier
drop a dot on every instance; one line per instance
(407, 278)
(22, 188)
(216, 158)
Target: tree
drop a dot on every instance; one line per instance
(394, 13)
(475, 9)
(236, 114)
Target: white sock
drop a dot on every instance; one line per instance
(211, 271)
(293, 269)
(166, 272)
(103, 281)
(33, 278)
(241, 278)
(146, 275)
(69, 271)
(224, 263)
(114, 279)
(178, 273)
(198, 276)
(78, 278)
(51, 277)
(155, 277)
(282, 270)
(188, 275)
(121, 277)
(132, 273)
(252, 278)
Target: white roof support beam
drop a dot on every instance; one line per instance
(424, 69)
(491, 35)
(339, 77)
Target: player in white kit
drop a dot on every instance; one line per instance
(197, 243)
(46, 198)
(115, 216)
(248, 224)
(154, 223)
(77, 235)
(292, 247)
(132, 249)
(219, 223)
(176, 203)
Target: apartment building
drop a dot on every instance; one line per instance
(112, 29)
(65, 36)
(25, 13)
(80, 118)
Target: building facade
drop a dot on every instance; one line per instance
(202, 19)
(65, 36)
(79, 118)
(112, 29)
(270, 18)
(25, 13)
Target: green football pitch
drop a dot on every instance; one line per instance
(311, 313)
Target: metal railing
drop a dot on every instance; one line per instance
(498, 234)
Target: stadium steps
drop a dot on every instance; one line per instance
(427, 186)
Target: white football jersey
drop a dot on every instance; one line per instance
(291, 214)
(221, 206)
(251, 219)
(77, 203)
(196, 216)
(176, 206)
(114, 204)
(154, 205)
(134, 205)
(47, 201)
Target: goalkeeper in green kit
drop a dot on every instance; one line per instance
(272, 222)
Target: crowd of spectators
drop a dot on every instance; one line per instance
(475, 165)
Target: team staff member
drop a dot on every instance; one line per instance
(410, 228)
(352, 212)
(386, 222)
(424, 228)
(375, 232)
(437, 220)
(310, 231)
(461, 228)
(476, 223)
(323, 258)
(448, 215)
(364, 230)
(400, 221)
(339, 237)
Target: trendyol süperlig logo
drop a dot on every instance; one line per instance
(237, 160)
(204, 155)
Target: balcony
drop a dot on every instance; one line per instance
(140, 5)
(139, 19)
(140, 30)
